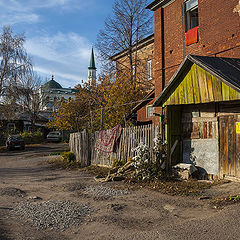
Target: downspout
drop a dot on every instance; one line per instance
(183, 32)
(163, 48)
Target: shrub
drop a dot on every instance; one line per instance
(145, 169)
(69, 157)
(32, 137)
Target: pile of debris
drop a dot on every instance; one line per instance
(118, 173)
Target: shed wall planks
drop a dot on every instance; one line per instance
(198, 86)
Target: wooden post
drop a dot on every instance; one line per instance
(102, 118)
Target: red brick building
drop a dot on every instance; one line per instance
(143, 54)
(197, 84)
(199, 27)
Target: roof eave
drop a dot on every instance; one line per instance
(158, 4)
(142, 43)
(183, 65)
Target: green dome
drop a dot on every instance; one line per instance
(52, 84)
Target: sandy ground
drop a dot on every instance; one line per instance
(141, 214)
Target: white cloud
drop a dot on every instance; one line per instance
(65, 55)
(62, 48)
(16, 11)
(65, 79)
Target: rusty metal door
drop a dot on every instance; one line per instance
(229, 145)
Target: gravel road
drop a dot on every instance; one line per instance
(38, 202)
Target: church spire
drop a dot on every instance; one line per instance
(92, 61)
(92, 70)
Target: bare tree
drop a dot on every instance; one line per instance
(14, 61)
(130, 23)
(27, 96)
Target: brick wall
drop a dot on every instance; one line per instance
(218, 31)
(143, 54)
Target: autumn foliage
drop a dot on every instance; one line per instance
(112, 98)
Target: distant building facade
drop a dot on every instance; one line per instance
(52, 93)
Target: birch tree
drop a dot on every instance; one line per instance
(14, 61)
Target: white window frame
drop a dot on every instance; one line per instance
(189, 6)
(149, 69)
(147, 111)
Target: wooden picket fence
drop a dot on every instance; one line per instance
(83, 145)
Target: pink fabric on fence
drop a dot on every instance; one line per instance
(107, 138)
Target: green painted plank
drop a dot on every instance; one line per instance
(202, 85)
(172, 98)
(237, 95)
(190, 88)
(210, 87)
(232, 94)
(181, 93)
(176, 95)
(225, 92)
(185, 89)
(217, 89)
(196, 93)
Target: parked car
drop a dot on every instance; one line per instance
(54, 136)
(15, 142)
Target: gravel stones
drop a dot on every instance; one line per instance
(104, 192)
(12, 192)
(57, 215)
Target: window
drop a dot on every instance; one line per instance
(191, 14)
(134, 71)
(150, 111)
(149, 69)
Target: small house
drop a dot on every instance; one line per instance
(202, 107)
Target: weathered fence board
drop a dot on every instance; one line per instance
(83, 145)
(79, 144)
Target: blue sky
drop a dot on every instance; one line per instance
(59, 33)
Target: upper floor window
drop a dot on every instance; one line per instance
(149, 69)
(191, 14)
(150, 111)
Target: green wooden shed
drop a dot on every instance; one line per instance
(202, 108)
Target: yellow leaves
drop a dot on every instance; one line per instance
(115, 94)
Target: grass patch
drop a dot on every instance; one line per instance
(55, 154)
(225, 201)
(59, 162)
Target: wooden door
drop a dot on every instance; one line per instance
(229, 145)
(174, 128)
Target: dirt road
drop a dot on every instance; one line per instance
(37, 202)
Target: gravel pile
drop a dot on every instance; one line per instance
(57, 215)
(12, 192)
(102, 191)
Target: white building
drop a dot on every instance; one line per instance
(52, 93)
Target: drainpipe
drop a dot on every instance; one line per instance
(163, 48)
(183, 32)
